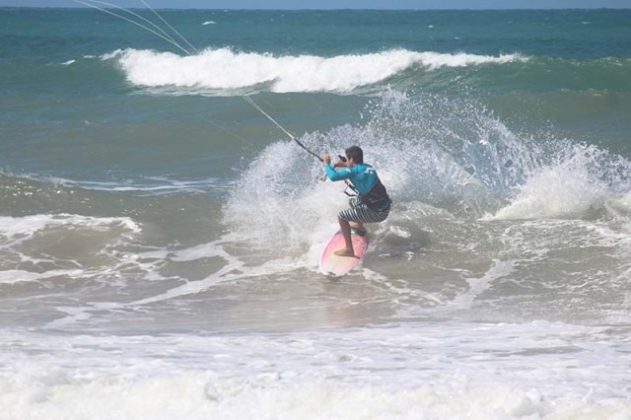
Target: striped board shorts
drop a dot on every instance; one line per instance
(361, 213)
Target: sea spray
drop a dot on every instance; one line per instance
(443, 161)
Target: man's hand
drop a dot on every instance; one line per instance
(340, 164)
(326, 159)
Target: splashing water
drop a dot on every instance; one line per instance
(449, 154)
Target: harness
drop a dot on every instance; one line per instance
(377, 198)
(349, 186)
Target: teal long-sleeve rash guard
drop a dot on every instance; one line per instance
(362, 176)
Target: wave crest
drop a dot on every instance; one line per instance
(226, 69)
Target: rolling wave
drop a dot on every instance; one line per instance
(226, 69)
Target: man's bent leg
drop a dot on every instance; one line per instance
(345, 227)
(359, 227)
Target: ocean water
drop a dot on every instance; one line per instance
(159, 237)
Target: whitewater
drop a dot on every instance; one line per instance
(224, 69)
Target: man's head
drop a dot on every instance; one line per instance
(355, 154)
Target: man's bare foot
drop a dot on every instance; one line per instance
(345, 252)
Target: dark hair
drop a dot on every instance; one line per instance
(356, 153)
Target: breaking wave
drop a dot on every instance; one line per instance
(227, 69)
(452, 155)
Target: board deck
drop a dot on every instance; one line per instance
(336, 266)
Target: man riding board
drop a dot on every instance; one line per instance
(372, 203)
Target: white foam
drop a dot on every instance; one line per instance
(233, 270)
(209, 22)
(224, 68)
(479, 285)
(19, 276)
(566, 189)
(151, 186)
(281, 198)
(444, 370)
(26, 226)
(25, 243)
(257, 209)
(620, 207)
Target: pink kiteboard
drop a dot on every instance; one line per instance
(336, 266)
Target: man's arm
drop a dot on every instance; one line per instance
(338, 175)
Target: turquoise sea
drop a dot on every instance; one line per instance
(159, 237)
